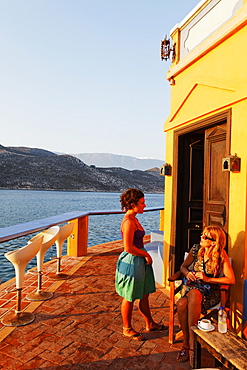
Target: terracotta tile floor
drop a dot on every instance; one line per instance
(80, 327)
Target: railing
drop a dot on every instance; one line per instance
(78, 240)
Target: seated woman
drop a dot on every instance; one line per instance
(206, 267)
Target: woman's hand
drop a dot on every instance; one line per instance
(200, 276)
(149, 259)
(191, 276)
(194, 276)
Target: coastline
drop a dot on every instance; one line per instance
(77, 191)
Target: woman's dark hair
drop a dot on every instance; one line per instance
(130, 197)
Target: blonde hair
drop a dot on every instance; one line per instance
(216, 251)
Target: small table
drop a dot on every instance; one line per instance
(228, 349)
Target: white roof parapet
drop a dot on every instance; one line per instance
(188, 16)
(205, 22)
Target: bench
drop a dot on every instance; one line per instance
(228, 349)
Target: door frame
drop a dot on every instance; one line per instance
(213, 120)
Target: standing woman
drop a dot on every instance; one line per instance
(206, 267)
(134, 272)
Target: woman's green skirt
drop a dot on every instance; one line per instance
(134, 277)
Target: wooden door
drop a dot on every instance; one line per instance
(202, 188)
(189, 193)
(216, 181)
(195, 196)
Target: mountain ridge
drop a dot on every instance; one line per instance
(38, 169)
(117, 160)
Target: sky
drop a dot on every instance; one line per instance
(85, 76)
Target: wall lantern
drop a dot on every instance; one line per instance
(166, 50)
(231, 163)
(166, 170)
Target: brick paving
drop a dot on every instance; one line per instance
(80, 327)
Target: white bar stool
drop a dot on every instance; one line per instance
(49, 237)
(20, 258)
(63, 234)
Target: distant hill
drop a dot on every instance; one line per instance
(115, 160)
(26, 151)
(38, 169)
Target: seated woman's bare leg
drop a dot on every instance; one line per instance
(189, 310)
(194, 312)
(182, 309)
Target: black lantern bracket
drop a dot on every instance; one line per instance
(167, 50)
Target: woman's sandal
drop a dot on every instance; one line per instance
(192, 356)
(183, 355)
(135, 336)
(159, 328)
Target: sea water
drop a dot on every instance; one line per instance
(18, 206)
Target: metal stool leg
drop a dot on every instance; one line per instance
(18, 318)
(39, 294)
(49, 237)
(63, 234)
(20, 258)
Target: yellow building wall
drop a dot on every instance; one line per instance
(237, 210)
(218, 80)
(168, 207)
(215, 82)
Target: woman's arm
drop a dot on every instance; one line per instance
(128, 229)
(190, 275)
(228, 278)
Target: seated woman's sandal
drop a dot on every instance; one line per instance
(184, 355)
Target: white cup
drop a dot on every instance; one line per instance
(205, 324)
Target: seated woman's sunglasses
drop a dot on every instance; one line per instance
(203, 236)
